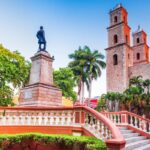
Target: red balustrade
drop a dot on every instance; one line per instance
(131, 120)
(81, 119)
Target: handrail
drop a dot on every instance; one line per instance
(92, 121)
(115, 132)
(140, 124)
(127, 112)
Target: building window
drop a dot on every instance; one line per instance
(115, 39)
(124, 19)
(126, 39)
(115, 19)
(115, 59)
(137, 40)
(138, 56)
(147, 56)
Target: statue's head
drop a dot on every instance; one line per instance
(41, 27)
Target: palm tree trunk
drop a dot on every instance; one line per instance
(90, 90)
(116, 105)
(80, 96)
(82, 92)
(148, 90)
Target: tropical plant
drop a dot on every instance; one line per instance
(136, 81)
(114, 100)
(146, 84)
(135, 98)
(14, 73)
(64, 79)
(101, 103)
(6, 95)
(94, 65)
(78, 66)
(86, 66)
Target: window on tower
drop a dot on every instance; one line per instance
(124, 19)
(115, 19)
(138, 56)
(137, 40)
(115, 59)
(127, 39)
(128, 56)
(115, 39)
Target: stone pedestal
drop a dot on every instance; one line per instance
(40, 91)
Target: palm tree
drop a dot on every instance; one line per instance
(136, 81)
(94, 65)
(78, 65)
(110, 97)
(146, 84)
(134, 93)
(86, 66)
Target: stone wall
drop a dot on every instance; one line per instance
(117, 75)
(140, 69)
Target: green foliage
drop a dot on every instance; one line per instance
(64, 79)
(101, 104)
(86, 66)
(6, 95)
(14, 71)
(135, 98)
(88, 143)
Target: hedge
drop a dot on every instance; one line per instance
(64, 141)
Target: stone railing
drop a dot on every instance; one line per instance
(36, 118)
(125, 118)
(84, 117)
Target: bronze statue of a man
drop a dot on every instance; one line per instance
(41, 39)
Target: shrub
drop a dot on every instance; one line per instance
(64, 142)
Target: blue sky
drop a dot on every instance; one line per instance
(68, 24)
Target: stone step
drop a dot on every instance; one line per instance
(134, 139)
(137, 144)
(128, 135)
(145, 147)
(126, 131)
(122, 128)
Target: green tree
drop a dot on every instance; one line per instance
(94, 62)
(6, 95)
(115, 99)
(136, 81)
(101, 103)
(146, 84)
(14, 73)
(134, 94)
(78, 66)
(64, 79)
(86, 66)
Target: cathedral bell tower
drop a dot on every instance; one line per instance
(140, 47)
(118, 54)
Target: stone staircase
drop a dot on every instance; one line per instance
(134, 141)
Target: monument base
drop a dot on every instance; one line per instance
(40, 94)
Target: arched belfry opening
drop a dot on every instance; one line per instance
(115, 38)
(115, 19)
(115, 59)
(137, 40)
(138, 56)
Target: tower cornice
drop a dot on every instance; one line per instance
(118, 24)
(121, 44)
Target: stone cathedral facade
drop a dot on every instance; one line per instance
(123, 60)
